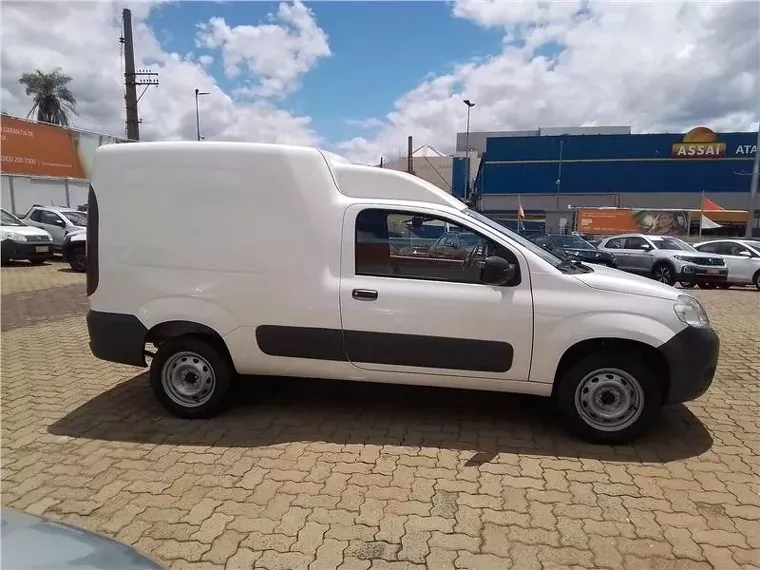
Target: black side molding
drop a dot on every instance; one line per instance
(385, 348)
(117, 337)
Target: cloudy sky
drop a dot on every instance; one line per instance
(359, 77)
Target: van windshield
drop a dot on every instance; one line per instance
(557, 262)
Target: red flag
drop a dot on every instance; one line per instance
(708, 205)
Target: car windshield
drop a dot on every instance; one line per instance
(76, 218)
(670, 243)
(557, 262)
(754, 244)
(9, 219)
(572, 242)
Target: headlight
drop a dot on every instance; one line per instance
(684, 258)
(13, 236)
(691, 312)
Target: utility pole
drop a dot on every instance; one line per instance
(409, 157)
(132, 78)
(753, 188)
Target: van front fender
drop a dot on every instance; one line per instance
(552, 340)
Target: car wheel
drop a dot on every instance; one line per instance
(756, 279)
(191, 377)
(686, 284)
(664, 273)
(609, 398)
(78, 259)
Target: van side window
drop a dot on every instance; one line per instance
(635, 243)
(50, 218)
(413, 246)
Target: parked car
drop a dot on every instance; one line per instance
(741, 256)
(34, 543)
(74, 250)
(575, 247)
(332, 300)
(666, 259)
(20, 241)
(58, 221)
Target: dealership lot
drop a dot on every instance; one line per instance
(324, 475)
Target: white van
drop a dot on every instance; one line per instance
(278, 260)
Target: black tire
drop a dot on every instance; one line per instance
(686, 284)
(633, 366)
(78, 259)
(664, 272)
(220, 367)
(756, 279)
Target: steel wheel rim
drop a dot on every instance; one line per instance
(609, 399)
(663, 274)
(188, 379)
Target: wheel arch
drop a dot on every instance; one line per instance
(652, 357)
(177, 328)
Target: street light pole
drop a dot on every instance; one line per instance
(559, 171)
(753, 188)
(470, 105)
(198, 92)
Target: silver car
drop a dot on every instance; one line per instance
(58, 221)
(742, 258)
(666, 259)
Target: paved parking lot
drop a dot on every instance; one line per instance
(322, 475)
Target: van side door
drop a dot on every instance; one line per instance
(414, 314)
(639, 254)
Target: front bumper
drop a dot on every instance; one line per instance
(699, 274)
(117, 337)
(692, 356)
(25, 250)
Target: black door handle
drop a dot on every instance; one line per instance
(364, 294)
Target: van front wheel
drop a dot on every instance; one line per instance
(191, 377)
(609, 398)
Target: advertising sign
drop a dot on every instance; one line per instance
(616, 221)
(39, 149)
(699, 142)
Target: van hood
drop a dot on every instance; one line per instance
(616, 281)
(25, 230)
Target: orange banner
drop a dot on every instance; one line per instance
(38, 149)
(614, 221)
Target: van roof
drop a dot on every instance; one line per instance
(352, 180)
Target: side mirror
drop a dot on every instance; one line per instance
(745, 253)
(497, 271)
(645, 247)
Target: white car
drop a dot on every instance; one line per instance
(303, 281)
(20, 241)
(58, 221)
(742, 256)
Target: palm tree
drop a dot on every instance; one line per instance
(53, 100)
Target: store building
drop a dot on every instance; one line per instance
(551, 172)
(46, 164)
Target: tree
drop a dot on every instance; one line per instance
(53, 101)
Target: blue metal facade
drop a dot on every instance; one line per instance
(611, 164)
(459, 177)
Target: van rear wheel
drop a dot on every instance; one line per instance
(191, 377)
(609, 397)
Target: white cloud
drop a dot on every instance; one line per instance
(654, 65)
(82, 39)
(278, 53)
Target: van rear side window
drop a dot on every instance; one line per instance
(93, 273)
